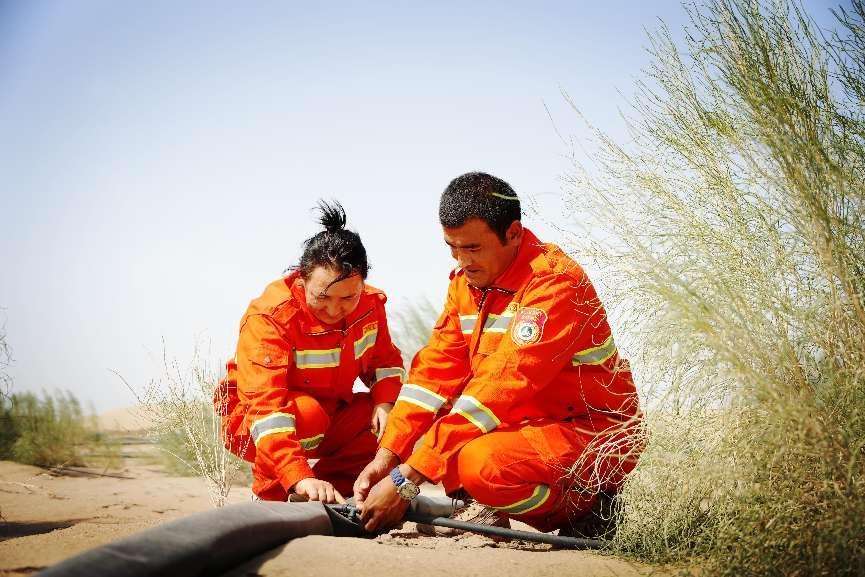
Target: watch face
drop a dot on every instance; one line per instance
(408, 490)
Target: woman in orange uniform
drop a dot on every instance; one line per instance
(287, 397)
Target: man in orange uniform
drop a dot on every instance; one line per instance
(287, 397)
(520, 395)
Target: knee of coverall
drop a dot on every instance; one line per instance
(476, 469)
(311, 420)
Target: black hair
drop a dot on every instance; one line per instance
(483, 196)
(334, 247)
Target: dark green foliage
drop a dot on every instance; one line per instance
(47, 431)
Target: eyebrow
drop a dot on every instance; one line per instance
(325, 295)
(472, 245)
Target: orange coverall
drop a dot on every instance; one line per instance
(517, 390)
(287, 396)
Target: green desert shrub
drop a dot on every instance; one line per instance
(728, 236)
(49, 430)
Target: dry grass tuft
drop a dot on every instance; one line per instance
(411, 327)
(5, 361)
(179, 403)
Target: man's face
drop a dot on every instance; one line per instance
(480, 252)
(331, 304)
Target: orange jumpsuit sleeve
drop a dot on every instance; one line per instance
(387, 373)
(438, 372)
(573, 321)
(263, 360)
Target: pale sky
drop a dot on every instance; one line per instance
(159, 160)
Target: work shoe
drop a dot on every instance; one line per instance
(471, 513)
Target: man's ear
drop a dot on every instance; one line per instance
(514, 234)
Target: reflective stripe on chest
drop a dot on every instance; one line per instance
(495, 322)
(318, 358)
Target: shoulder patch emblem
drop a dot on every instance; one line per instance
(528, 326)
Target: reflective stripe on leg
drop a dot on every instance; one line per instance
(535, 500)
(312, 442)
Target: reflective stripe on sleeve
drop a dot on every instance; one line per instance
(535, 500)
(595, 355)
(316, 359)
(467, 323)
(423, 398)
(390, 372)
(312, 442)
(272, 424)
(475, 411)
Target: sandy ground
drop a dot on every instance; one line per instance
(48, 517)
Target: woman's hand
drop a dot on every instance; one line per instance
(379, 418)
(318, 490)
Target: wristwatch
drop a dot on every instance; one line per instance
(404, 488)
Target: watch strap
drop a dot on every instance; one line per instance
(397, 477)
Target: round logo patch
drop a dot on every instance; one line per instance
(528, 326)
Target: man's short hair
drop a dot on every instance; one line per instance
(483, 196)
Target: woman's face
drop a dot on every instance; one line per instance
(331, 304)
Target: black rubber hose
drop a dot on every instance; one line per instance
(564, 542)
(348, 516)
(208, 543)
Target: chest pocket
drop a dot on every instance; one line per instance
(315, 369)
(489, 343)
(496, 327)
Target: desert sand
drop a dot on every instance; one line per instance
(47, 517)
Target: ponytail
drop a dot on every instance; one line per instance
(335, 247)
(332, 218)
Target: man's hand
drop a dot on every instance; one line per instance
(383, 508)
(379, 418)
(318, 490)
(378, 469)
